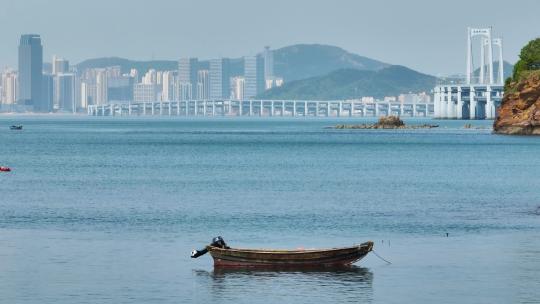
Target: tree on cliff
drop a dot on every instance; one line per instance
(529, 59)
(519, 112)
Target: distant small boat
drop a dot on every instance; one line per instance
(5, 169)
(225, 256)
(16, 127)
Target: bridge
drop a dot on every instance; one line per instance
(467, 101)
(480, 92)
(260, 108)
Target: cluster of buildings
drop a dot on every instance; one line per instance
(61, 87)
(64, 88)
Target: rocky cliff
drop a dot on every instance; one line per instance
(520, 109)
(519, 112)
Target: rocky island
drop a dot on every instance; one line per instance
(390, 122)
(519, 112)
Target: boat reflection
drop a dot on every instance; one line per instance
(343, 284)
(346, 272)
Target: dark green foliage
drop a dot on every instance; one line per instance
(529, 58)
(507, 84)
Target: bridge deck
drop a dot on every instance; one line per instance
(292, 108)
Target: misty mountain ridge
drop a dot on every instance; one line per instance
(353, 83)
(292, 62)
(507, 70)
(303, 61)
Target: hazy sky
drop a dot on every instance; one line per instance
(429, 36)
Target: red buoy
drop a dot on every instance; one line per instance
(4, 169)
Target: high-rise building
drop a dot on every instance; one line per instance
(168, 86)
(183, 91)
(254, 76)
(120, 88)
(219, 74)
(88, 94)
(114, 71)
(238, 85)
(150, 77)
(187, 77)
(30, 72)
(85, 96)
(102, 96)
(65, 92)
(203, 85)
(145, 92)
(159, 77)
(47, 92)
(9, 88)
(88, 86)
(59, 65)
(268, 63)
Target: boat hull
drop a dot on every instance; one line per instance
(334, 257)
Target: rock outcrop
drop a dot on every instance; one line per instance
(520, 109)
(519, 112)
(390, 122)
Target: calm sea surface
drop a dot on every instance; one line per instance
(102, 210)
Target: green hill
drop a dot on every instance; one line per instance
(352, 83)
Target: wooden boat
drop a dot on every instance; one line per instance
(225, 256)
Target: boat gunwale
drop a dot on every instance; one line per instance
(368, 245)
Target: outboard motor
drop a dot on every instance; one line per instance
(216, 242)
(197, 253)
(219, 242)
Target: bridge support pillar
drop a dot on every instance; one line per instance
(490, 106)
(443, 106)
(450, 110)
(472, 104)
(459, 107)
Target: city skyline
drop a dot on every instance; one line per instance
(64, 88)
(217, 35)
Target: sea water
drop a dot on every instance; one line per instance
(107, 210)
